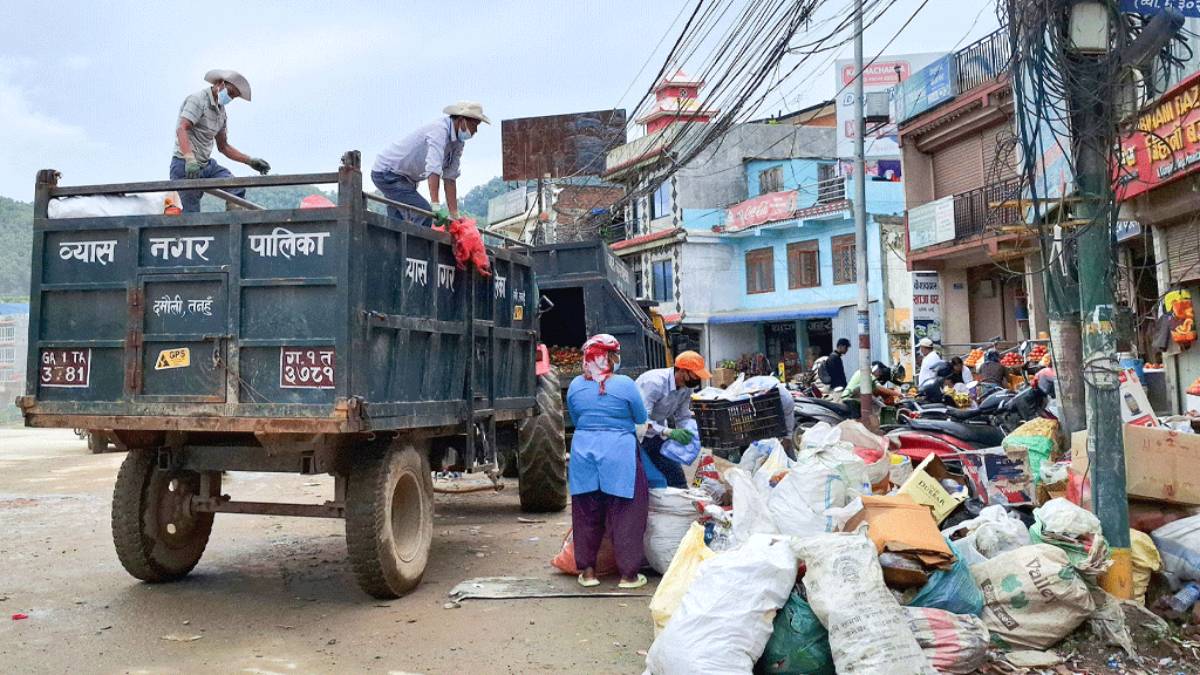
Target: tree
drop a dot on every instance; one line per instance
(16, 243)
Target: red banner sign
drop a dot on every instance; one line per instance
(761, 209)
(1166, 144)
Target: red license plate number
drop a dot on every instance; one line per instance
(65, 368)
(304, 368)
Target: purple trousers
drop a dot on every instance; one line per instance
(624, 519)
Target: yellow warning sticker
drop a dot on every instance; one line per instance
(173, 358)
(518, 312)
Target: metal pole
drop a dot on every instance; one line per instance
(866, 382)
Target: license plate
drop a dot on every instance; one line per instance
(303, 368)
(65, 368)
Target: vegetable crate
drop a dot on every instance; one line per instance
(727, 427)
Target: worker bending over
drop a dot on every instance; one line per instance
(667, 393)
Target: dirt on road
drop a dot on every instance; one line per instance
(275, 594)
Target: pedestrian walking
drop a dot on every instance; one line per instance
(202, 121)
(608, 485)
(834, 366)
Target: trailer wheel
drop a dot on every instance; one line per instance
(157, 536)
(389, 520)
(541, 452)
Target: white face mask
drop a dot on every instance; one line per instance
(464, 134)
(223, 97)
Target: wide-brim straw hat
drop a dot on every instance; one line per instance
(231, 76)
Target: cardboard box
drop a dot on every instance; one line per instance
(897, 524)
(924, 486)
(1135, 406)
(1162, 464)
(723, 377)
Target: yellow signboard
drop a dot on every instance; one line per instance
(518, 312)
(173, 358)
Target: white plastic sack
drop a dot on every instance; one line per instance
(819, 435)
(1066, 518)
(141, 204)
(992, 532)
(672, 512)
(1033, 597)
(840, 457)
(868, 629)
(750, 513)
(1178, 544)
(799, 503)
(724, 621)
(953, 643)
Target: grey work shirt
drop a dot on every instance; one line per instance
(666, 404)
(207, 118)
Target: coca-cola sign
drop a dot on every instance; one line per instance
(761, 209)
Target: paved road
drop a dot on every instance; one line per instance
(276, 594)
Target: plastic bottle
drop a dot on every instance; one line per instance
(1185, 598)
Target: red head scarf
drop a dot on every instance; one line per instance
(595, 358)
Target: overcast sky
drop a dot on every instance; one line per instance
(93, 88)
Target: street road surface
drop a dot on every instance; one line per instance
(275, 594)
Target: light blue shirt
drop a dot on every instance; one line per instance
(666, 404)
(604, 448)
(434, 148)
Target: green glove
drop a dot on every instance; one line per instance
(441, 217)
(192, 168)
(259, 165)
(680, 436)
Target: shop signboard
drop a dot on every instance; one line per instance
(926, 306)
(761, 209)
(1188, 8)
(1127, 229)
(1165, 145)
(931, 223)
(883, 74)
(929, 87)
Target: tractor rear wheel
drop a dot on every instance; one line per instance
(541, 451)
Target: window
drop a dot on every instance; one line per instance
(639, 282)
(830, 187)
(8, 333)
(660, 205)
(663, 280)
(770, 180)
(760, 270)
(844, 270)
(804, 264)
(8, 356)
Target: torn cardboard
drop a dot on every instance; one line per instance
(898, 524)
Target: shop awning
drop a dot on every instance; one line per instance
(777, 314)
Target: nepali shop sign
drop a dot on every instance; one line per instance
(762, 209)
(926, 306)
(928, 88)
(1190, 8)
(931, 223)
(1165, 145)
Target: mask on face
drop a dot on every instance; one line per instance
(223, 97)
(464, 134)
(616, 367)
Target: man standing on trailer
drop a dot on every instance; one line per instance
(201, 121)
(667, 393)
(432, 153)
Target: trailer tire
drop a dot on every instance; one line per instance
(156, 535)
(541, 451)
(389, 519)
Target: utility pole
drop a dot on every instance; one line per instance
(1093, 131)
(866, 381)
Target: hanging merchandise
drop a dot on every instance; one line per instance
(1179, 305)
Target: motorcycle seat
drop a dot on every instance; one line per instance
(979, 435)
(836, 407)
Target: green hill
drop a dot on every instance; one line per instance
(16, 242)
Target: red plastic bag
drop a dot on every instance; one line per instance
(468, 246)
(606, 560)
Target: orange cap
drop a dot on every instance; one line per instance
(694, 363)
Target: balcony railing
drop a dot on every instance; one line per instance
(983, 61)
(614, 232)
(974, 213)
(831, 190)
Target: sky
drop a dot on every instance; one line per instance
(93, 89)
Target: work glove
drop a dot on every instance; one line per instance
(680, 436)
(441, 217)
(192, 168)
(259, 165)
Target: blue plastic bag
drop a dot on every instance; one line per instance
(953, 590)
(684, 454)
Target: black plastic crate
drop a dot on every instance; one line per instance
(730, 426)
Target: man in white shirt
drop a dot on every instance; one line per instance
(432, 153)
(667, 394)
(929, 360)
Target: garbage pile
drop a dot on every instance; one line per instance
(846, 559)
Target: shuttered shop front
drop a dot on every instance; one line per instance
(1183, 251)
(958, 167)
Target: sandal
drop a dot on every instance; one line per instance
(637, 583)
(588, 583)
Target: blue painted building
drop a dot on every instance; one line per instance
(750, 247)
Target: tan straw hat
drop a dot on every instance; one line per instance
(232, 77)
(470, 109)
